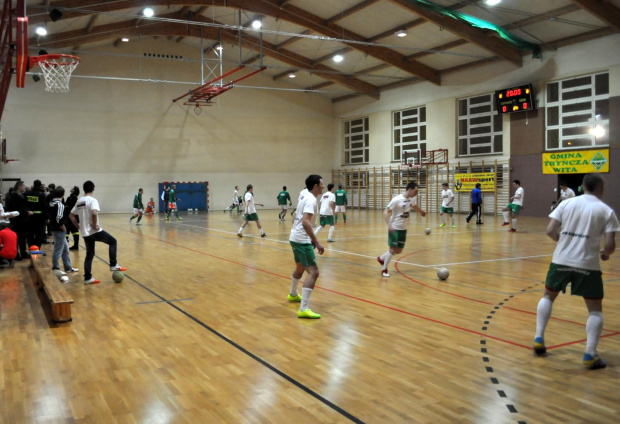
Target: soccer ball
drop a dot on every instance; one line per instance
(443, 273)
(118, 276)
(427, 231)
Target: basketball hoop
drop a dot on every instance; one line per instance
(57, 70)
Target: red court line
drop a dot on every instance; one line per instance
(339, 293)
(477, 300)
(581, 341)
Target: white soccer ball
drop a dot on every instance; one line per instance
(427, 231)
(443, 273)
(64, 278)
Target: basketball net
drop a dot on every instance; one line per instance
(57, 70)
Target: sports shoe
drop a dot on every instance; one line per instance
(467, 219)
(442, 225)
(385, 273)
(92, 281)
(292, 298)
(479, 223)
(345, 224)
(330, 240)
(167, 219)
(72, 270)
(512, 230)
(76, 247)
(239, 235)
(505, 223)
(307, 314)
(130, 218)
(59, 271)
(454, 226)
(117, 267)
(539, 346)
(264, 235)
(380, 260)
(179, 219)
(593, 362)
(137, 223)
(11, 263)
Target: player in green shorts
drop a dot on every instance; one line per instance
(326, 216)
(396, 214)
(303, 241)
(578, 227)
(250, 212)
(446, 205)
(283, 199)
(172, 199)
(514, 207)
(137, 207)
(341, 204)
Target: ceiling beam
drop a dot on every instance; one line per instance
(580, 38)
(495, 45)
(343, 98)
(91, 23)
(603, 10)
(292, 39)
(319, 86)
(350, 11)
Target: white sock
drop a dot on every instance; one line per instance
(294, 283)
(443, 220)
(240, 229)
(594, 325)
(330, 236)
(261, 231)
(386, 259)
(505, 216)
(319, 228)
(543, 313)
(305, 298)
(514, 223)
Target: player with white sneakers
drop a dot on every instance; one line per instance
(447, 198)
(326, 216)
(514, 207)
(398, 208)
(250, 212)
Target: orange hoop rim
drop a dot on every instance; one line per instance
(47, 59)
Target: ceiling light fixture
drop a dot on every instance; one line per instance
(292, 75)
(148, 12)
(338, 58)
(402, 33)
(125, 40)
(257, 24)
(41, 31)
(218, 47)
(492, 2)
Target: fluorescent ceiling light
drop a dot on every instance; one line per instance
(256, 24)
(148, 12)
(220, 48)
(41, 31)
(125, 40)
(492, 2)
(402, 33)
(338, 58)
(292, 75)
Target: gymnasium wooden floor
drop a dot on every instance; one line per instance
(200, 331)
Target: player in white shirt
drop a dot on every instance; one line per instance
(326, 216)
(514, 207)
(250, 212)
(87, 208)
(578, 226)
(399, 208)
(303, 241)
(446, 205)
(235, 201)
(565, 193)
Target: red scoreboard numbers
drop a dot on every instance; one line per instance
(515, 99)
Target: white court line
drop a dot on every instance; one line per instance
(344, 252)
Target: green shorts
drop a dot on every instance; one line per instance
(250, 217)
(514, 208)
(447, 210)
(397, 238)
(326, 220)
(303, 253)
(584, 282)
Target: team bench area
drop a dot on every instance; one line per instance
(43, 277)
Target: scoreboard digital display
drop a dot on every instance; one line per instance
(514, 99)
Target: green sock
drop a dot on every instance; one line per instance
(344, 217)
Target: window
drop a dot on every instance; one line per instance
(480, 127)
(356, 141)
(578, 112)
(409, 131)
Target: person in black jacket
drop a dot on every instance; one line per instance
(72, 229)
(57, 225)
(16, 201)
(36, 223)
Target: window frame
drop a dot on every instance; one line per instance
(494, 119)
(400, 144)
(347, 155)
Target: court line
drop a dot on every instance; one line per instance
(330, 290)
(491, 260)
(237, 346)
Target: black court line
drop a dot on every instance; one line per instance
(165, 300)
(264, 363)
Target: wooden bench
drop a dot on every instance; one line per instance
(43, 277)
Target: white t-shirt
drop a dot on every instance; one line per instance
(400, 207)
(307, 204)
(236, 195)
(326, 200)
(249, 203)
(567, 194)
(520, 200)
(84, 210)
(447, 196)
(302, 194)
(584, 220)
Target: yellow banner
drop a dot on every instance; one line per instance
(467, 182)
(576, 162)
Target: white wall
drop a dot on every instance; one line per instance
(440, 101)
(128, 134)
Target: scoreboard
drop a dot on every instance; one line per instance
(514, 99)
